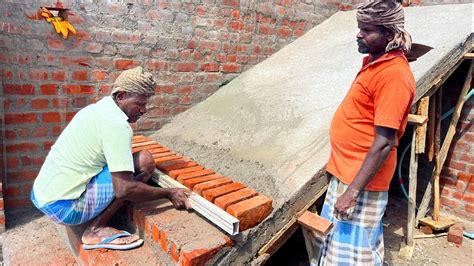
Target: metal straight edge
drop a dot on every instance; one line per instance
(214, 214)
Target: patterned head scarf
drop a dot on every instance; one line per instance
(135, 81)
(387, 13)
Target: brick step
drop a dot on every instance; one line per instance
(244, 203)
(144, 255)
(184, 236)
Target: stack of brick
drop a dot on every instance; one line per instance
(2, 210)
(242, 202)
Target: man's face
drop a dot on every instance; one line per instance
(133, 105)
(372, 40)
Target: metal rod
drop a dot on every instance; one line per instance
(214, 214)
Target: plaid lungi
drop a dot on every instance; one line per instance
(358, 241)
(98, 195)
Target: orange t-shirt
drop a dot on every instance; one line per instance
(380, 95)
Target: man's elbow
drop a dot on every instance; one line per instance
(125, 190)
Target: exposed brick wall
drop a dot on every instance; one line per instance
(192, 47)
(457, 177)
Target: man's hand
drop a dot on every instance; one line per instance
(345, 204)
(179, 197)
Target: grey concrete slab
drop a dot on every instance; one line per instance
(268, 128)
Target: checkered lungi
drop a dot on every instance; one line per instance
(358, 241)
(95, 199)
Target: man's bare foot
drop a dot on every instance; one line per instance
(95, 235)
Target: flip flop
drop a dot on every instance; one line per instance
(106, 243)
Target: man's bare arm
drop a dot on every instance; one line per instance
(383, 144)
(126, 188)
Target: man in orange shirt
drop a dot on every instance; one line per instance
(364, 135)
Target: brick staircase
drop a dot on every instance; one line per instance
(176, 236)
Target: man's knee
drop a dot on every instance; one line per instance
(144, 164)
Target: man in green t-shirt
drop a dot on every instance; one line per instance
(90, 171)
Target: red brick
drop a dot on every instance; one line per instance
(39, 103)
(185, 67)
(174, 173)
(209, 45)
(70, 116)
(38, 75)
(12, 162)
(60, 103)
(47, 145)
(198, 256)
(21, 118)
(80, 75)
(18, 89)
(158, 150)
(200, 188)
(155, 234)
(210, 67)
(457, 195)
(212, 194)
(252, 211)
(2, 207)
(469, 207)
(123, 64)
(174, 252)
(237, 196)
(78, 89)
(470, 187)
(99, 75)
(174, 165)
(162, 154)
(56, 44)
(231, 68)
(190, 183)
(167, 158)
(51, 117)
(49, 89)
(157, 65)
(449, 202)
(163, 241)
(146, 148)
(468, 178)
(455, 233)
(468, 198)
(74, 61)
(183, 177)
(12, 191)
(17, 203)
(446, 182)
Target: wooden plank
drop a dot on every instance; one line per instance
(469, 56)
(423, 208)
(287, 231)
(412, 190)
(314, 222)
(423, 109)
(309, 243)
(417, 120)
(434, 150)
(448, 139)
(437, 144)
(430, 138)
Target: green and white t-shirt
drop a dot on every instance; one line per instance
(97, 136)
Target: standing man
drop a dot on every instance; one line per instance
(90, 171)
(364, 135)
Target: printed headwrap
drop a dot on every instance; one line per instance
(387, 13)
(135, 81)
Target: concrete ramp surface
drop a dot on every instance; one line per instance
(268, 128)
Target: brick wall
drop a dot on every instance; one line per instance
(457, 177)
(192, 47)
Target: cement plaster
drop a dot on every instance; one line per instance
(268, 128)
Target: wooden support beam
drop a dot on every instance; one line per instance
(314, 222)
(448, 139)
(430, 138)
(443, 152)
(423, 108)
(412, 191)
(417, 120)
(469, 56)
(287, 231)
